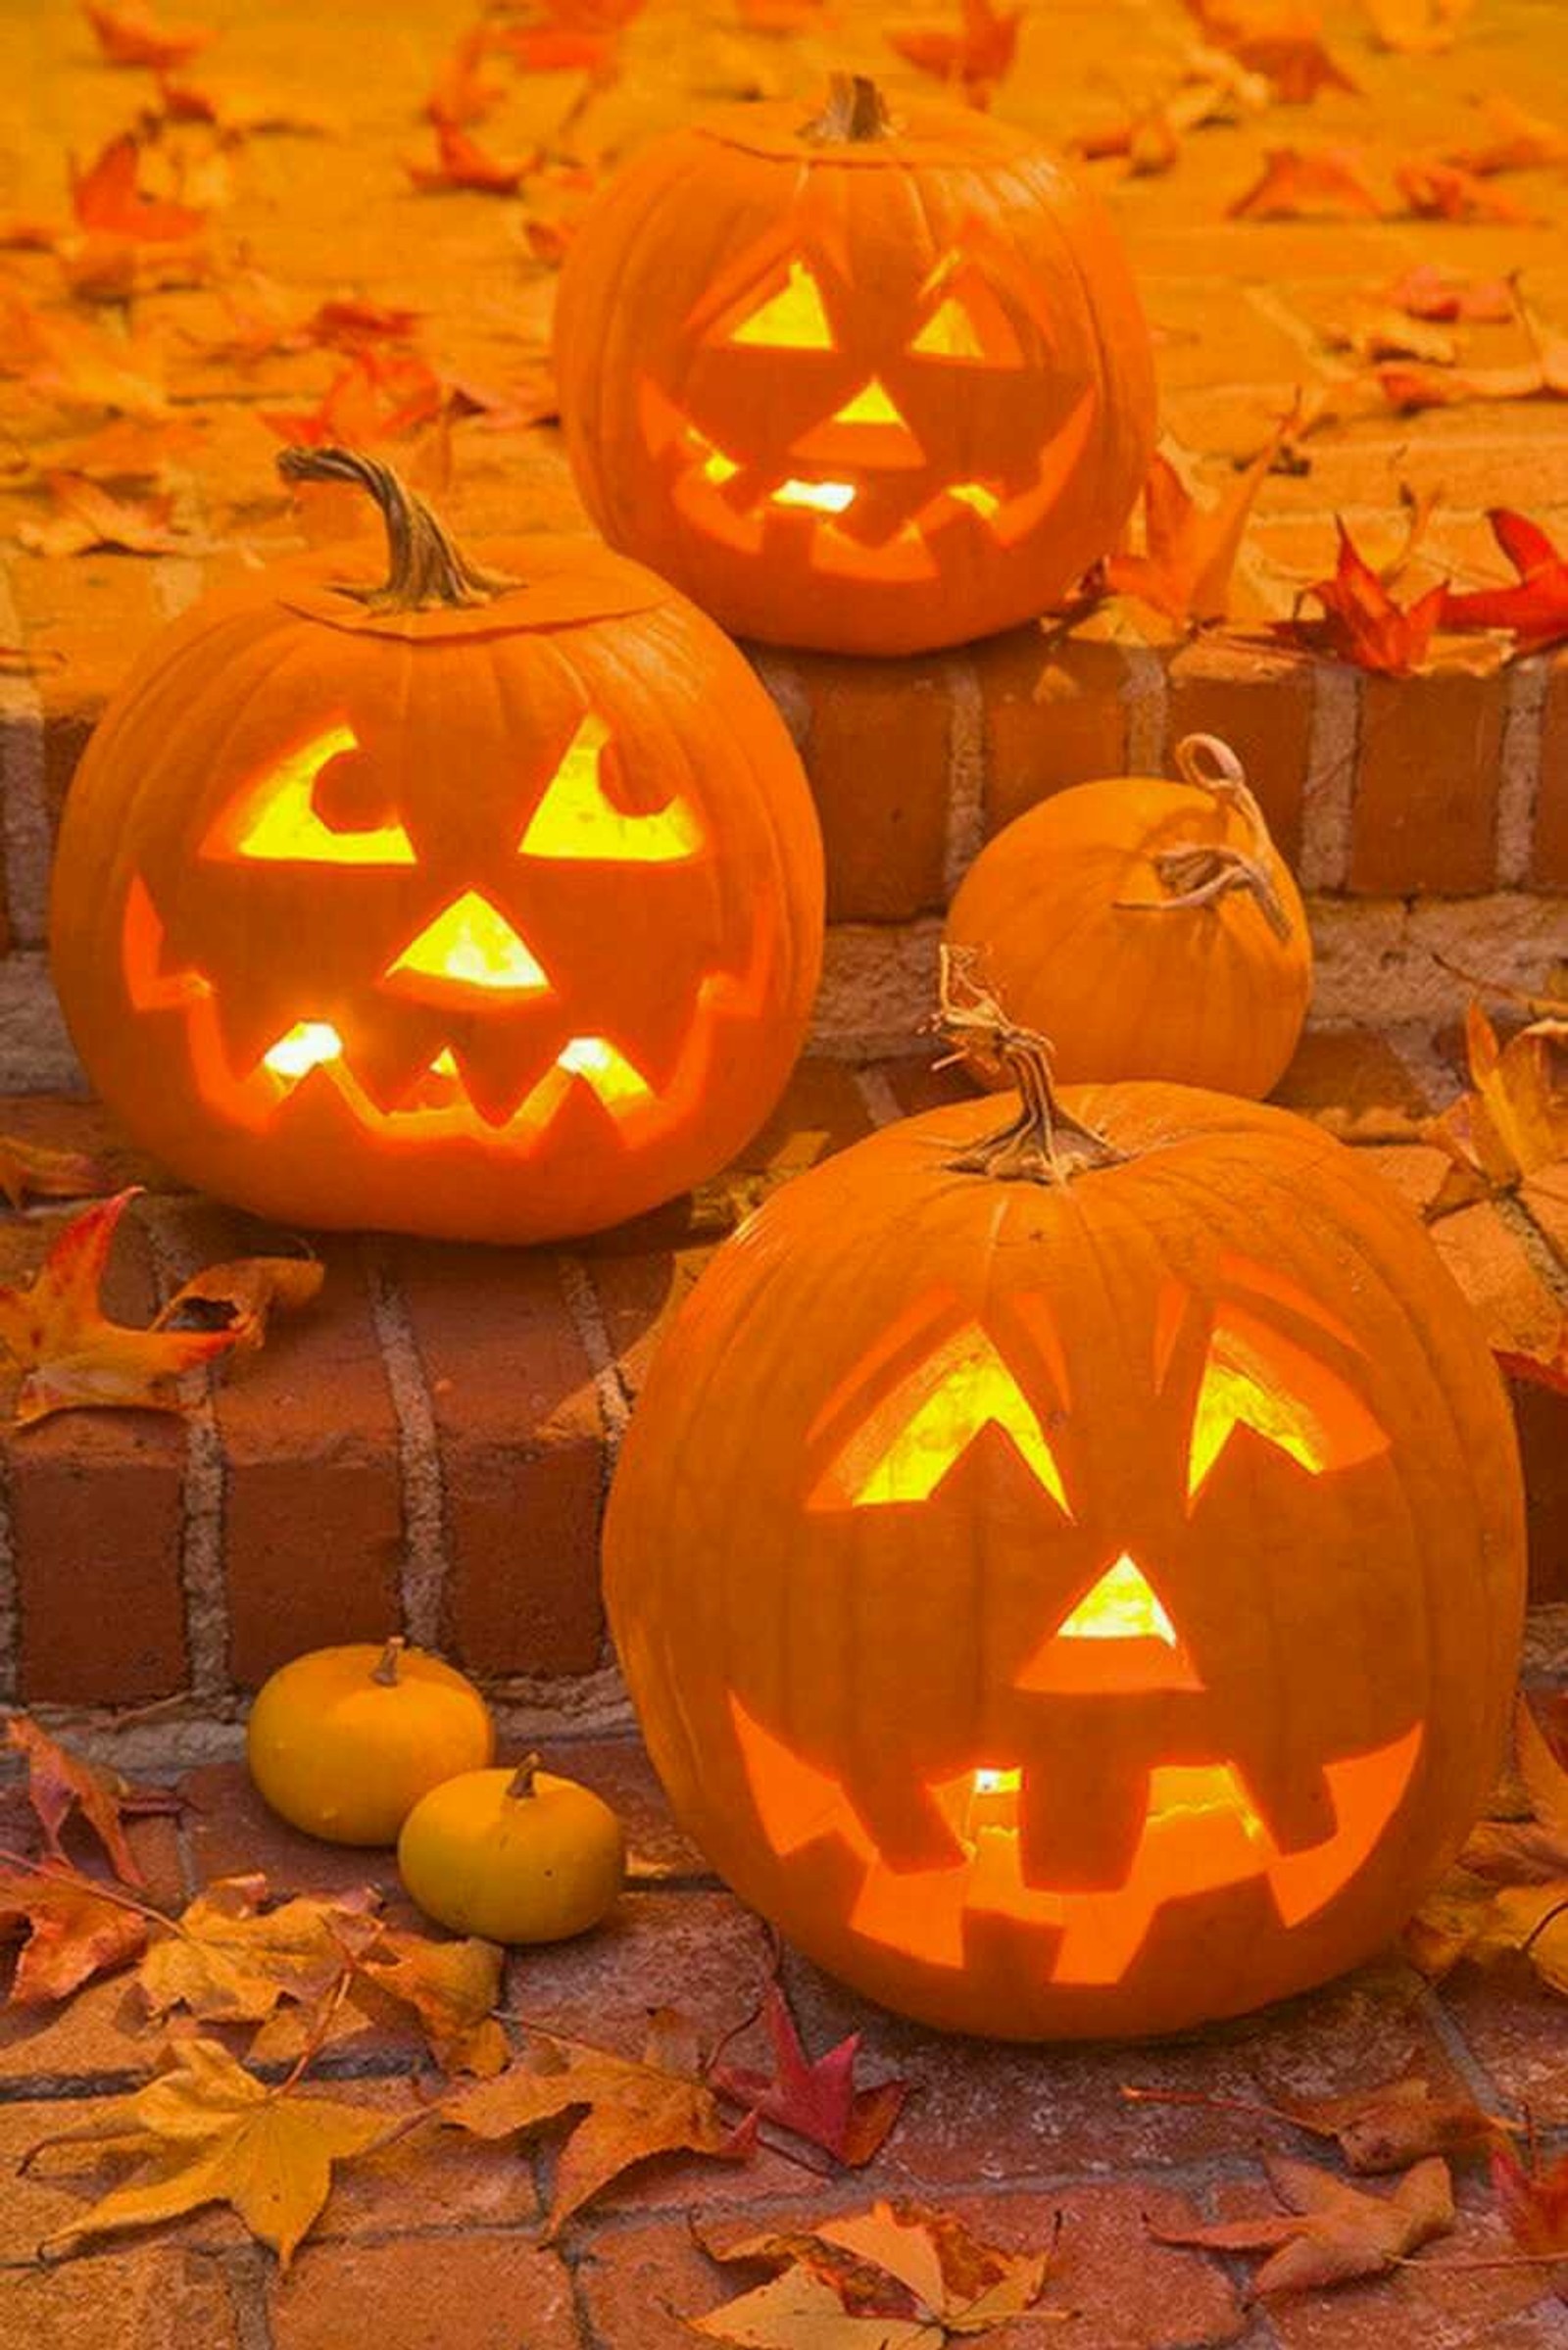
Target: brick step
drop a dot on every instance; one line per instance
(429, 1449)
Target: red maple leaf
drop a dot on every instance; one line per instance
(814, 2097)
(372, 399)
(1535, 608)
(1534, 2203)
(105, 198)
(1428, 292)
(131, 35)
(1436, 190)
(977, 55)
(464, 164)
(1298, 183)
(1362, 623)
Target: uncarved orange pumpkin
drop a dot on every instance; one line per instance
(856, 380)
(1070, 1577)
(483, 901)
(1147, 928)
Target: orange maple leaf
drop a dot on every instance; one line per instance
(1307, 183)
(65, 360)
(61, 1783)
(1362, 623)
(1436, 190)
(73, 1930)
(375, 398)
(1516, 141)
(1428, 292)
(34, 1170)
(105, 197)
(67, 1351)
(1513, 1122)
(977, 54)
(1281, 39)
(1545, 377)
(129, 35)
(1190, 551)
(89, 516)
(464, 164)
(459, 92)
(559, 48)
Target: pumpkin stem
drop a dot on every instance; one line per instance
(522, 1779)
(1043, 1143)
(1197, 874)
(427, 571)
(387, 1671)
(856, 114)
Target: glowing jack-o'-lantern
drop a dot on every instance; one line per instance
(852, 382)
(1114, 1624)
(485, 903)
(1148, 928)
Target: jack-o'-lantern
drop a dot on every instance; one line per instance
(869, 384)
(485, 902)
(1071, 1577)
(1147, 928)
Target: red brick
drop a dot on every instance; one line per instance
(1548, 868)
(822, 1111)
(1490, 1264)
(64, 1122)
(1542, 1416)
(1353, 1081)
(231, 1830)
(618, 1770)
(1052, 718)
(488, 2292)
(877, 754)
(522, 1458)
(136, 2298)
(100, 2034)
(432, 2178)
(699, 1951)
(311, 1471)
(1262, 705)
(928, 1080)
(96, 1519)
(1426, 813)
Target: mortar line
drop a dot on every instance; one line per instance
(201, 1497)
(241, 2271)
(23, 801)
(422, 1576)
(1460, 2053)
(582, 1304)
(1144, 697)
(876, 1089)
(1328, 798)
(1519, 771)
(966, 762)
(1542, 1257)
(9, 1596)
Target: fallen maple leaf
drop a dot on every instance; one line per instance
(1190, 551)
(1513, 1122)
(353, 323)
(1533, 2202)
(89, 516)
(69, 1353)
(1361, 620)
(977, 55)
(228, 1959)
(204, 2132)
(1332, 2234)
(129, 35)
(814, 2098)
(1436, 190)
(898, 2276)
(106, 197)
(1378, 2130)
(448, 1988)
(35, 1171)
(73, 1931)
(375, 398)
(558, 48)
(67, 359)
(464, 164)
(1298, 183)
(1535, 608)
(1393, 333)
(629, 2111)
(461, 92)
(1281, 39)
(1428, 292)
(238, 1298)
(244, 108)
(1414, 27)
(60, 1783)
(1544, 375)
(1516, 141)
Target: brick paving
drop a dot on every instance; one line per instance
(435, 2240)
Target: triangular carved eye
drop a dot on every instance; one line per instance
(274, 819)
(576, 818)
(792, 318)
(1255, 1377)
(968, 324)
(909, 1442)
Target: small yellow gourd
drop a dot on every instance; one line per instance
(516, 1856)
(343, 1743)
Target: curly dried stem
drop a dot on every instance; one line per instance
(1199, 873)
(427, 569)
(1043, 1143)
(856, 114)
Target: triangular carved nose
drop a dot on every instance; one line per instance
(870, 428)
(470, 945)
(1116, 1638)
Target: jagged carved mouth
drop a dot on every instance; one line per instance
(853, 528)
(310, 1057)
(1203, 1832)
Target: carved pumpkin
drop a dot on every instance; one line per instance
(1071, 1578)
(1149, 929)
(855, 382)
(486, 903)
